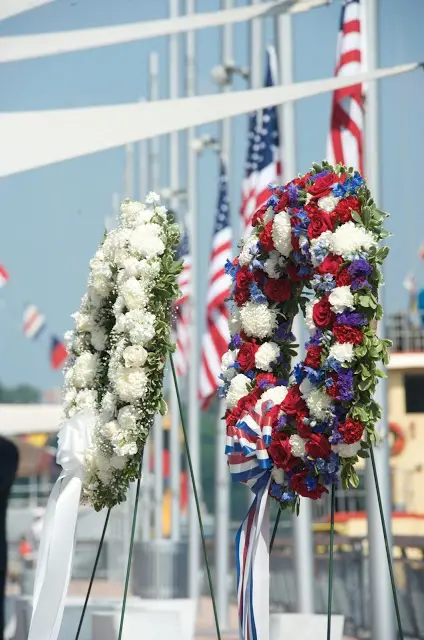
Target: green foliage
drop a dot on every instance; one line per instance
(22, 394)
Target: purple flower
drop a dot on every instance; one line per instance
(360, 268)
(352, 319)
(315, 339)
(336, 438)
(236, 342)
(360, 283)
(345, 385)
(293, 193)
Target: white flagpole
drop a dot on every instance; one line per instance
(143, 162)
(222, 488)
(129, 171)
(381, 596)
(174, 440)
(302, 524)
(193, 409)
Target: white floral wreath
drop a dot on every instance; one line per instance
(120, 345)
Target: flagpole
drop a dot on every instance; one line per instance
(302, 524)
(222, 489)
(256, 57)
(193, 409)
(381, 597)
(174, 439)
(129, 171)
(142, 167)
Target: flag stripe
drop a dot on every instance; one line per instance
(182, 311)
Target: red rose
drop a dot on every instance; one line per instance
(321, 187)
(241, 297)
(343, 279)
(283, 202)
(258, 216)
(298, 483)
(313, 357)
(303, 429)
(312, 209)
(277, 290)
(344, 334)
(246, 356)
(244, 277)
(351, 431)
(246, 403)
(265, 237)
(322, 314)
(267, 378)
(343, 211)
(331, 264)
(280, 452)
(293, 402)
(319, 223)
(318, 446)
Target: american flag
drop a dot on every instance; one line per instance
(58, 353)
(182, 310)
(4, 276)
(345, 142)
(33, 321)
(217, 335)
(263, 165)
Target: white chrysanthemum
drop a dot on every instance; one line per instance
(135, 213)
(99, 338)
(281, 233)
(258, 320)
(249, 249)
(149, 270)
(320, 247)
(341, 298)
(341, 352)
(83, 321)
(110, 429)
(328, 203)
(237, 389)
(141, 326)
(134, 294)
(297, 445)
(349, 238)
(86, 399)
(277, 475)
(127, 418)
(85, 369)
(152, 197)
(346, 450)
(318, 403)
(146, 242)
(272, 264)
(130, 267)
(108, 406)
(101, 277)
(135, 356)
(267, 353)
(308, 316)
(131, 384)
(306, 388)
(234, 323)
(276, 395)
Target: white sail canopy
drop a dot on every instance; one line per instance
(37, 138)
(48, 44)
(9, 8)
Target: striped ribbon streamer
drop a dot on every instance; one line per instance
(250, 464)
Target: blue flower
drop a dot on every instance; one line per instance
(256, 294)
(298, 373)
(231, 269)
(321, 174)
(236, 341)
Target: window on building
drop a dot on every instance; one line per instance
(414, 393)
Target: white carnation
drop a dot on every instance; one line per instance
(258, 320)
(346, 450)
(127, 418)
(267, 353)
(276, 395)
(308, 316)
(146, 242)
(318, 403)
(85, 369)
(328, 203)
(281, 233)
(86, 399)
(130, 267)
(131, 384)
(110, 429)
(272, 264)
(297, 446)
(234, 323)
(140, 326)
(350, 238)
(238, 389)
(118, 309)
(341, 352)
(269, 214)
(149, 270)
(69, 338)
(135, 356)
(108, 406)
(134, 294)
(249, 249)
(341, 298)
(127, 449)
(98, 339)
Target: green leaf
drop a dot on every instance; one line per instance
(356, 217)
(163, 408)
(363, 454)
(354, 479)
(380, 374)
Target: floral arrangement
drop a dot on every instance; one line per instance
(320, 232)
(120, 345)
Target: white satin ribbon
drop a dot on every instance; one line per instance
(57, 544)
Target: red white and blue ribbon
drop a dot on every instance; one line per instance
(250, 464)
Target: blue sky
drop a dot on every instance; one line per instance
(52, 218)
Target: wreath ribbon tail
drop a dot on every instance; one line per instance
(252, 562)
(54, 564)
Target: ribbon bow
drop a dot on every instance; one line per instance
(250, 464)
(57, 544)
